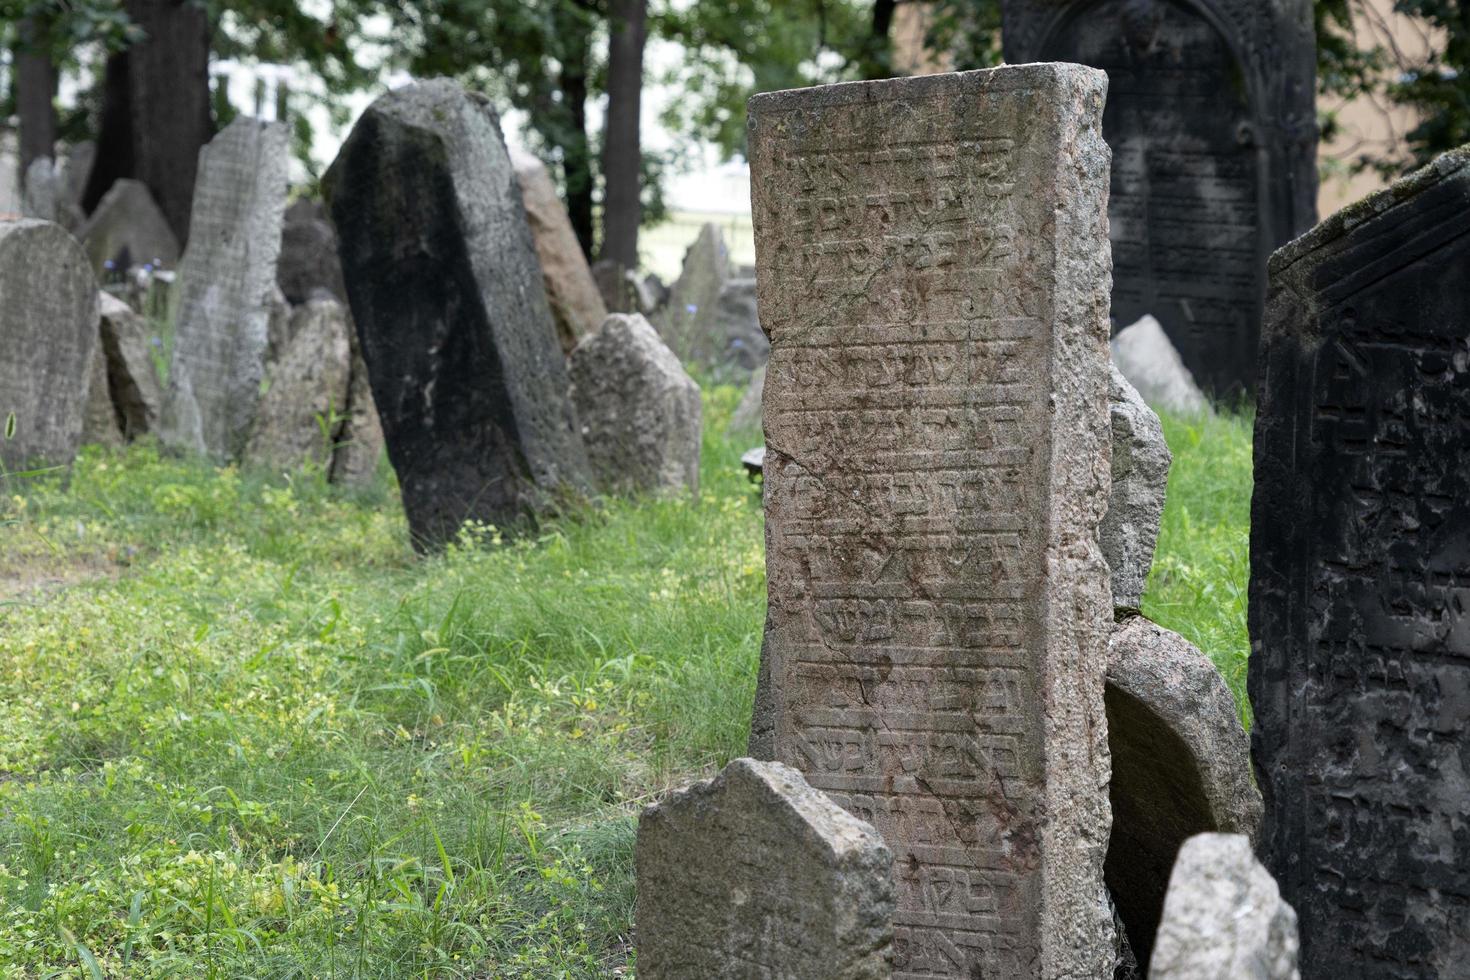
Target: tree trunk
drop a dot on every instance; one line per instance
(35, 92)
(576, 162)
(156, 109)
(877, 61)
(622, 151)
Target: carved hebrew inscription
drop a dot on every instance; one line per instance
(1360, 590)
(908, 275)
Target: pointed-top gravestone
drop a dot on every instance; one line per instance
(308, 267)
(470, 383)
(933, 277)
(128, 229)
(576, 303)
(48, 337)
(696, 293)
(1360, 581)
(225, 282)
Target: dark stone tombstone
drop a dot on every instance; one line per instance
(1360, 582)
(446, 292)
(1212, 122)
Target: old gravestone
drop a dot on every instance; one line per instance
(132, 379)
(307, 267)
(127, 229)
(1212, 122)
(1360, 581)
(226, 279)
(576, 303)
(48, 336)
(756, 874)
(305, 398)
(470, 383)
(695, 294)
(934, 275)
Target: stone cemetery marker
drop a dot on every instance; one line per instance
(1224, 917)
(132, 376)
(470, 383)
(48, 334)
(1181, 766)
(1141, 461)
(1212, 121)
(695, 294)
(226, 279)
(308, 266)
(755, 874)
(43, 190)
(99, 420)
(1360, 581)
(360, 443)
(575, 301)
(1151, 364)
(746, 419)
(305, 399)
(639, 410)
(934, 280)
(128, 229)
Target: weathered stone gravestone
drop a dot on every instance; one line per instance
(305, 398)
(934, 280)
(360, 443)
(1181, 766)
(576, 304)
(99, 420)
(308, 267)
(48, 332)
(1144, 355)
(128, 229)
(746, 420)
(1360, 581)
(694, 295)
(1212, 121)
(470, 384)
(1224, 917)
(639, 410)
(226, 279)
(1141, 459)
(132, 377)
(733, 337)
(756, 874)
(43, 190)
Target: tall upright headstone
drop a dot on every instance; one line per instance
(933, 269)
(1211, 117)
(469, 380)
(1360, 581)
(225, 283)
(576, 304)
(48, 337)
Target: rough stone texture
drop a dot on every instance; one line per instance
(308, 266)
(128, 229)
(226, 280)
(1141, 459)
(756, 874)
(1360, 581)
(1212, 120)
(278, 325)
(576, 304)
(43, 190)
(1224, 917)
(695, 294)
(1181, 766)
(746, 419)
(132, 376)
(306, 388)
(934, 280)
(48, 330)
(639, 410)
(99, 420)
(1152, 366)
(360, 443)
(470, 384)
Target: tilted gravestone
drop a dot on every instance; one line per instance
(305, 397)
(226, 279)
(48, 336)
(1212, 121)
(127, 229)
(695, 294)
(1360, 581)
(576, 303)
(132, 376)
(934, 281)
(756, 874)
(1141, 461)
(470, 383)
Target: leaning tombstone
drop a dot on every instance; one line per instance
(131, 373)
(695, 294)
(576, 303)
(756, 874)
(1140, 467)
(639, 410)
(936, 634)
(470, 383)
(305, 397)
(226, 279)
(1224, 917)
(1360, 565)
(127, 229)
(1212, 121)
(48, 334)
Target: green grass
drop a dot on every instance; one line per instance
(245, 732)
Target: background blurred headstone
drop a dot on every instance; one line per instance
(127, 229)
(576, 303)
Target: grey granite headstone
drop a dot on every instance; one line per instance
(226, 279)
(1212, 121)
(755, 874)
(576, 304)
(934, 281)
(132, 376)
(1141, 459)
(470, 383)
(640, 411)
(1224, 917)
(128, 229)
(1360, 581)
(694, 295)
(305, 398)
(48, 334)
(1181, 766)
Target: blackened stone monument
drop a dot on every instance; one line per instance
(469, 380)
(1212, 122)
(1360, 581)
